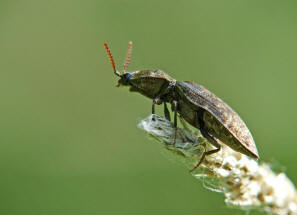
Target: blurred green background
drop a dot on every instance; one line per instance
(68, 137)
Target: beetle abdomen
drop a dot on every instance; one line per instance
(222, 119)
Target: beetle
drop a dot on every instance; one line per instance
(202, 109)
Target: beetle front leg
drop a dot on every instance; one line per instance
(174, 104)
(157, 101)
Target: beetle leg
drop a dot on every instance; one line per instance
(213, 142)
(174, 103)
(157, 101)
(205, 134)
(166, 112)
(153, 108)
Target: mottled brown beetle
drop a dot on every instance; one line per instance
(202, 109)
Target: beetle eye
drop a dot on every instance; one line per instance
(128, 75)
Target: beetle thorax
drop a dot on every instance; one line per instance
(149, 83)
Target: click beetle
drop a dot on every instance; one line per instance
(202, 109)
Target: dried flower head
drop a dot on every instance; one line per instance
(245, 183)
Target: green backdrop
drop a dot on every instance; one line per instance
(68, 137)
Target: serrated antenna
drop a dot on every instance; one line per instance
(128, 56)
(111, 60)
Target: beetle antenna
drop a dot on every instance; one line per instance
(111, 60)
(128, 56)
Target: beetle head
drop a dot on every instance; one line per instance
(125, 76)
(124, 80)
(147, 82)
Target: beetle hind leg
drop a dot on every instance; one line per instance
(210, 138)
(213, 142)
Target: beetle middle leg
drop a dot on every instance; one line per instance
(166, 112)
(174, 105)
